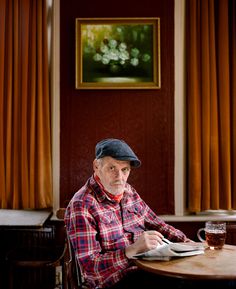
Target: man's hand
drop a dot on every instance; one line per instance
(147, 241)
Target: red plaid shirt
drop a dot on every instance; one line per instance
(100, 229)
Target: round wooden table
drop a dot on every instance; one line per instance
(214, 264)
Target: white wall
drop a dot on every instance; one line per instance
(179, 109)
(55, 80)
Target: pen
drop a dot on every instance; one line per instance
(166, 241)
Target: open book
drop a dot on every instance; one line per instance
(168, 250)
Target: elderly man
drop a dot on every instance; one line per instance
(108, 222)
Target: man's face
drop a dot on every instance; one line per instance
(112, 173)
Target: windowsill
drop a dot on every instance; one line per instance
(202, 217)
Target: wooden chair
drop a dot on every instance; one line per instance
(73, 277)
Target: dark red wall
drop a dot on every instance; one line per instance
(143, 118)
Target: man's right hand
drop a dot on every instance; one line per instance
(147, 241)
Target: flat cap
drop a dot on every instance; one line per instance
(117, 149)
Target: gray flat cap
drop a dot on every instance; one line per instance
(117, 149)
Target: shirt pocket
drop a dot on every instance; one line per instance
(110, 231)
(134, 218)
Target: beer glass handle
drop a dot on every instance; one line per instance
(199, 235)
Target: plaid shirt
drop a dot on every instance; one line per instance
(100, 229)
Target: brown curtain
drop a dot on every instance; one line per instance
(25, 137)
(211, 104)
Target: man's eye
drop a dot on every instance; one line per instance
(125, 170)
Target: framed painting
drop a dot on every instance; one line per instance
(118, 53)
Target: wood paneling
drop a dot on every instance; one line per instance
(143, 118)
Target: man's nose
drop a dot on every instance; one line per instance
(118, 173)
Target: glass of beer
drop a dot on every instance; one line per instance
(215, 234)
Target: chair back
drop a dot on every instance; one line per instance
(73, 274)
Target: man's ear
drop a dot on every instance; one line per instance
(95, 165)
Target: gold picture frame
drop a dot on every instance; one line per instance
(118, 53)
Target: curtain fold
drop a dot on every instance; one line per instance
(25, 136)
(210, 92)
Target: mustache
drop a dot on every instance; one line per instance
(118, 183)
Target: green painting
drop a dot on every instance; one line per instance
(118, 53)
